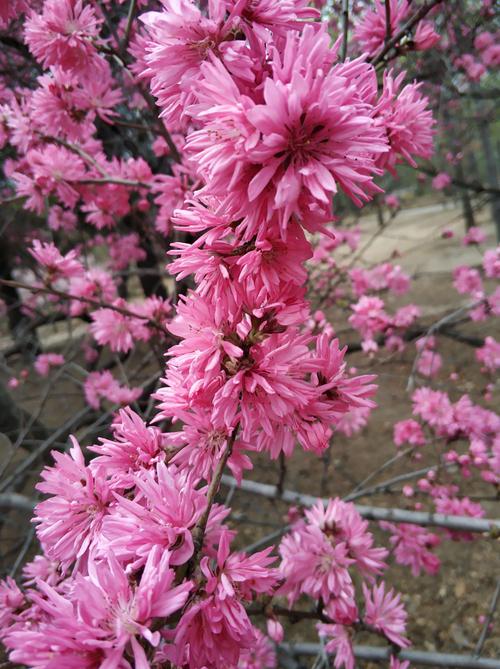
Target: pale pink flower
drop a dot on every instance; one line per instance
(407, 121)
(11, 602)
(260, 656)
(413, 547)
(433, 406)
(429, 363)
(55, 264)
(339, 644)
(61, 219)
(491, 263)
(275, 630)
(45, 361)
(385, 612)
(474, 235)
(120, 331)
(467, 280)
(96, 285)
(489, 354)
(102, 386)
(425, 36)
(409, 432)
(441, 181)
(392, 201)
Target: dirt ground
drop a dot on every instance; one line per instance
(444, 610)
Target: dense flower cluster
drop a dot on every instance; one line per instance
(138, 566)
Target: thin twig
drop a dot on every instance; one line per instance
(201, 525)
(415, 656)
(489, 617)
(423, 518)
(345, 29)
(87, 300)
(413, 20)
(388, 27)
(128, 28)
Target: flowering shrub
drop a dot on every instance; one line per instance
(261, 122)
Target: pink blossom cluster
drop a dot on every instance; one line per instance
(137, 566)
(318, 558)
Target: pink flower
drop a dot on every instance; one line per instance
(371, 31)
(392, 201)
(289, 157)
(396, 663)
(55, 169)
(491, 263)
(118, 330)
(407, 121)
(260, 656)
(474, 235)
(425, 36)
(339, 644)
(441, 181)
(56, 265)
(71, 519)
(101, 386)
(429, 363)
(455, 506)
(467, 280)
(180, 40)
(385, 612)
(413, 547)
(45, 361)
(163, 512)
(105, 612)
(409, 432)
(318, 554)
(135, 446)
(489, 354)
(62, 34)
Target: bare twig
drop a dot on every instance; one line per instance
(415, 656)
(388, 27)
(201, 525)
(128, 28)
(345, 29)
(413, 20)
(13, 500)
(489, 617)
(461, 523)
(87, 300)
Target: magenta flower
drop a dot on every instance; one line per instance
(339, 644)
(371, 31)
(118, 330)
(287, 156)
(62, 34)
(45, 361)
(385, 612)
(55, 264)
(162, 513)
(71, 519)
